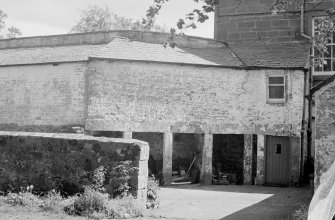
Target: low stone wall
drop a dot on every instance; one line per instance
(45, 159)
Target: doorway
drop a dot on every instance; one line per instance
(277, 160)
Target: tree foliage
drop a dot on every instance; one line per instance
(197, 15)
(10, 32)
(190, 20)
(94, 18)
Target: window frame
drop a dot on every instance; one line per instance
(332, 53)
(273, 100)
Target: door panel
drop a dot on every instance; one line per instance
(277, 160)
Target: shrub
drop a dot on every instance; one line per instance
(23, 199)
(126, 207)
(96, 205)
(98, 179)
(119, 178)
(91, 201)
(301, 213)
(152, 193)
(53, 202)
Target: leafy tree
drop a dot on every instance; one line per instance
(12, 32)
(95, 18)
(190, 19)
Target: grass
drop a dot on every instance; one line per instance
(301, 213)
(91, 204)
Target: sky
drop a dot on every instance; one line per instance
(49, 17)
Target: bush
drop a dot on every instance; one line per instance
(95, 204)
(301, 213)
(90, 202)
(23, 199)
(51, 202)
(54, 202)
(152, 193)
(119, 178)
(126, 207)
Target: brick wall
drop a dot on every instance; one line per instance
(50, 161)
(42, 97)
(148, 97)
(324, 130)
(276, 28)
(252, 20)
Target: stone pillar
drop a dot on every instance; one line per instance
(127, 134)
(247, 160)
(167, 158)
(260, 174)
(206, 166)
(295, 156)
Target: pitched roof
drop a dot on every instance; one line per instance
(36, 55)
(189, 50)
(124, 49)
(275, 55)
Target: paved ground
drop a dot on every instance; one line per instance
(230, 202)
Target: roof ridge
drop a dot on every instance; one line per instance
(103, 37)
(235, 55)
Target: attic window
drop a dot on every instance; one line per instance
(276, 89)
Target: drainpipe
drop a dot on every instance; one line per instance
(302, 18)
(310, 115)
(310, 160)
(303, 127)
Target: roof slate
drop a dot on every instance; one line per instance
(123, 49)
(275, 55)
(242, 55)
(36, 55)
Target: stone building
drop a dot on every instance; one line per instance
(253, 22)
(245, 104)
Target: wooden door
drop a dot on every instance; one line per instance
(277, 160)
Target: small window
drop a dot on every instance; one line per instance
(278, 148)
(276, 89)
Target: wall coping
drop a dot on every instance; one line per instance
(71, 136)
(104, 37)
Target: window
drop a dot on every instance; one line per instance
(276, 89)
(278, 148)
(324, 63)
